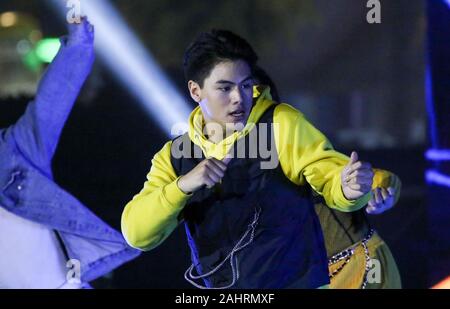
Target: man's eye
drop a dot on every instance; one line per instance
(225, 89)
(246, 86)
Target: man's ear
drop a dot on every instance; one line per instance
(195, 91)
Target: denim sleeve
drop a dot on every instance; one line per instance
(37, 132)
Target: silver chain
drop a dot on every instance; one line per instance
(189, 276)
(348, 253)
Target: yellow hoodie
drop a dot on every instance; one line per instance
(305, 155)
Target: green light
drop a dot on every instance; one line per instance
(32, 62)
(46, 49)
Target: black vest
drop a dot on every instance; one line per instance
(283, 247)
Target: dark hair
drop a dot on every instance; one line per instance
(211, 48)
(263, 78)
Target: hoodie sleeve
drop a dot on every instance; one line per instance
(306, 155)
(152, 215)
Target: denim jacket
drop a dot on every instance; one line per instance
(27, 188)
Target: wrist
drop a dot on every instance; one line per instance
(181, 185)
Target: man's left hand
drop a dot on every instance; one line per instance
(356, 178)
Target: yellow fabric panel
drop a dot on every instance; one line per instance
(352, 274)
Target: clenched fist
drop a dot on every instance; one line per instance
(207, 173)
(356, 178)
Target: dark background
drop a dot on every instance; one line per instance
(362, 84)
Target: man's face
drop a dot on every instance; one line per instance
(227, 93)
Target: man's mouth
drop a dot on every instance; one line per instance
(237, 113)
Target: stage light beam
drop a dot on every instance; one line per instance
(133, 65)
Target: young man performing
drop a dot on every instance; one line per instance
(248, 226)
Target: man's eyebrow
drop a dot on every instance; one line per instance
(222, 81)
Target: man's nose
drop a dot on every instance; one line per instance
(236, 95)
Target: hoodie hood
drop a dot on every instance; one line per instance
(262, 101)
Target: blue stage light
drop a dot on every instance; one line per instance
(435, 177)
(438, 155)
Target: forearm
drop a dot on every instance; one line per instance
(152, 215)
(306, 155)
(325, 178)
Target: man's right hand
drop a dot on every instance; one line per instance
(206, 173)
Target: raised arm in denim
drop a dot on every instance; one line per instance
(37, 132)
